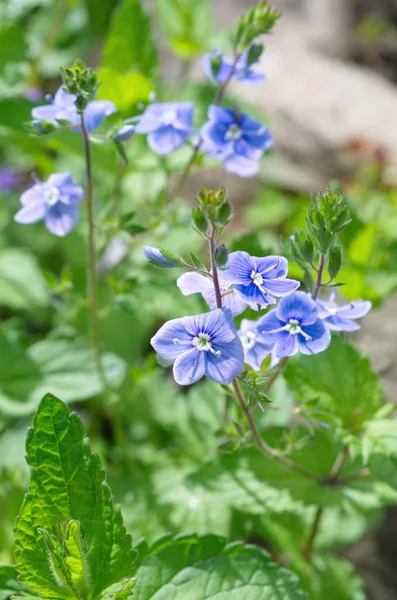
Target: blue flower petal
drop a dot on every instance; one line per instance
(155, 256)
(194, 283)
(280, 287)
(288, 346)
(269, 323)
(166, 139)
(321, 338)
(355, 310)
(189, 367)
(228, 365)
(223, 116)
(337, 323)
(96, 112)
(299, 306)
(239, 268)
(218, 324)
(253, 296)
(31, 213)
(271, 267)
(243, 167)
(45, 113)
(61, 219)
(172, 340)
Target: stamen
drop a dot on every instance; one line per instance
(176, 341)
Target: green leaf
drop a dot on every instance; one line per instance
(187, 25)
(335, 579)
(9, 583)
(190, 568)
(22, 284)
(249, 481)
(121, 151)
(99, 14)
(58, 366)
(129, 63)
(120, 591)
(68, 485)
(341, 379)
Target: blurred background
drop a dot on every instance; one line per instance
(330, 100)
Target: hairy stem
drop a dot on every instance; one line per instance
(259, 441)
(262, 445)
(91, 265)
(331, 479)
(214, 270)
(308, 549)
(319, 277)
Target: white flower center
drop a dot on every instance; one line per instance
(51, 196)
(233, 132)
(293, 327)
(168, 117)
(248, 339)
(203, 342)
(257, 278)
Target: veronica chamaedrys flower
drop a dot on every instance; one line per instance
(258, 279)
(10, 179)
(341, 317)
(235, 139)
(168, 125)
(155, 257)
(205, 344)
(294, 326)
(226, 72)
(55, 201)
(194, 283)
(256, 347)
(62, 106)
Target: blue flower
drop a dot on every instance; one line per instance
(236, 139)
(205, 344)
(63, 107)
(168, 125)
(295, 326)
(340, 318)
(258, 279)
(256, 347)
(194, 283)
(155, 256)
(56, 201)
(10, 179)
(226, 72)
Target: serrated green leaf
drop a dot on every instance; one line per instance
(68, 484)
(192, 568)
(22, 284)
(120, 591)
(341, 378)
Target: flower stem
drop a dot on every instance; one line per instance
(214, 271)
(91, 265)
(308, 550)
(260, 443)
(263, 446)
(333, 478)
(319, 277)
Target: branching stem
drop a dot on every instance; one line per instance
(91, 265)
